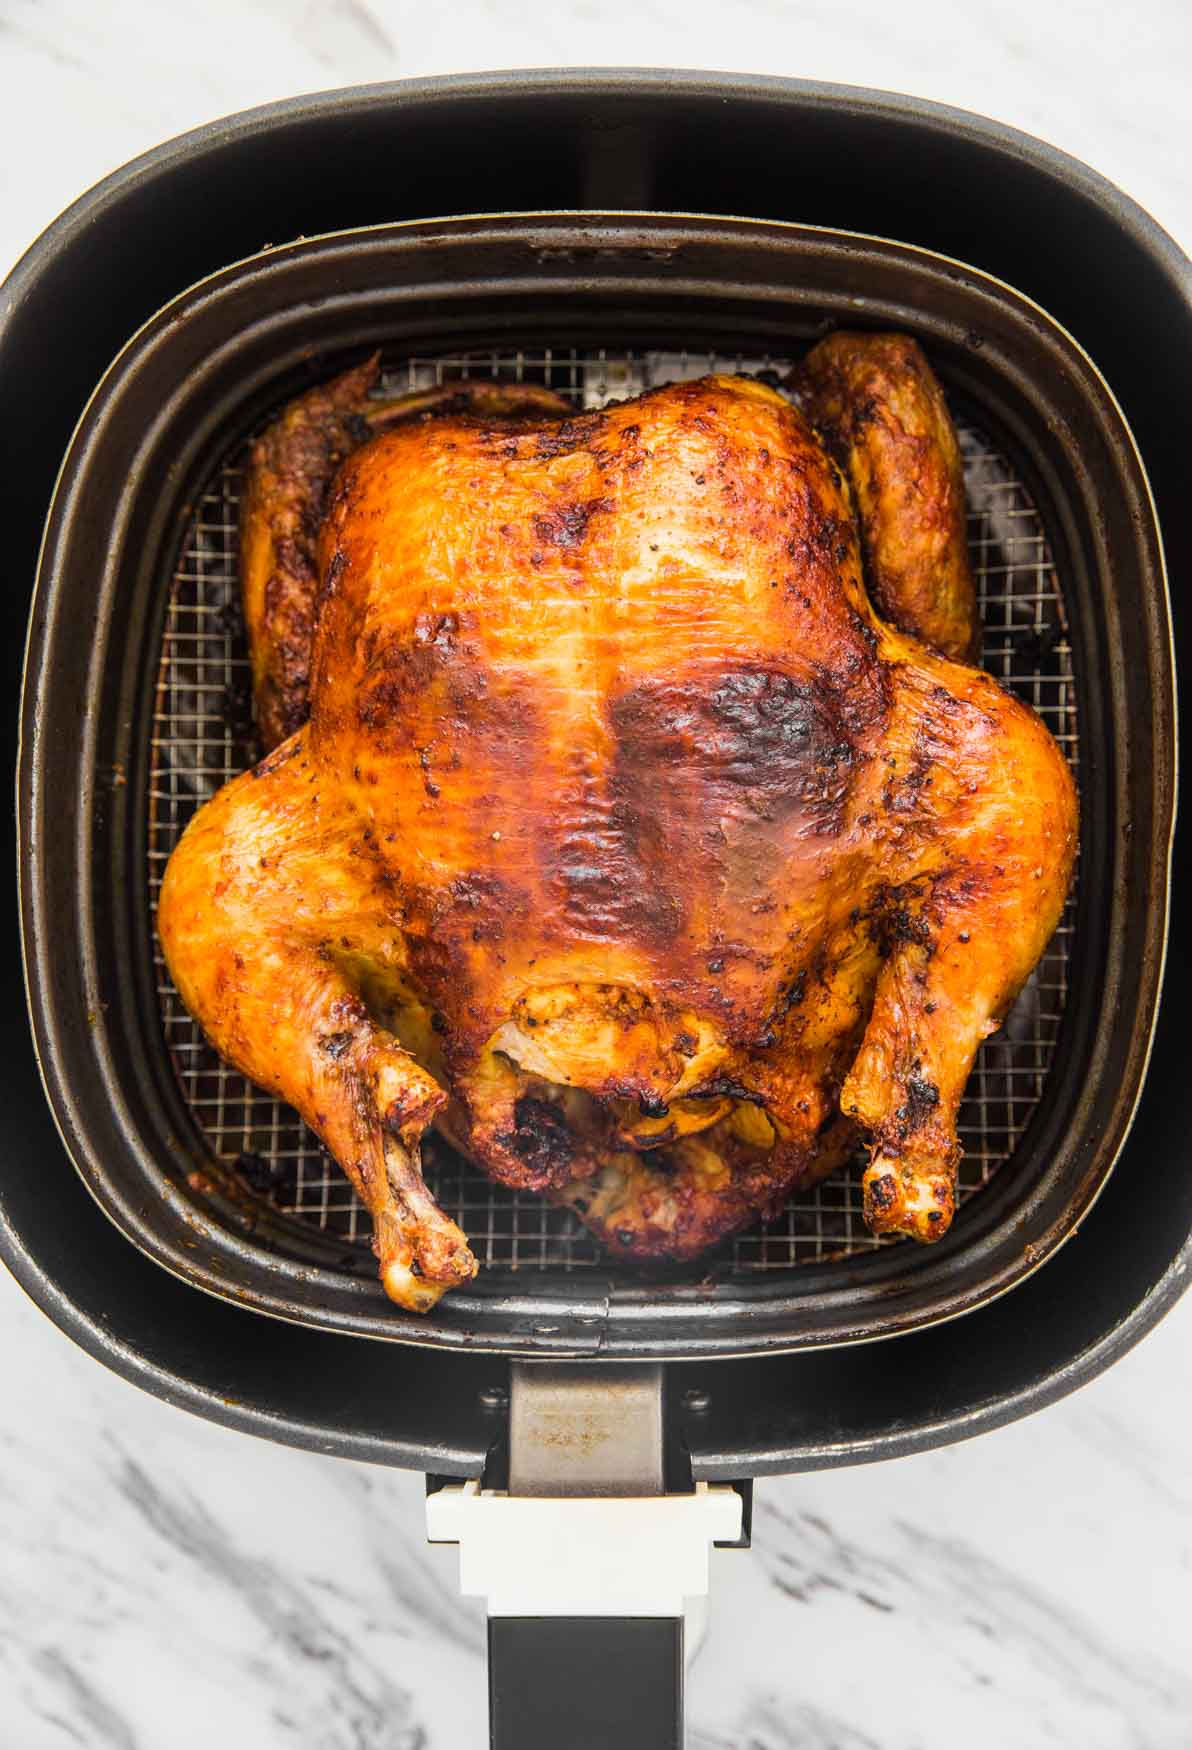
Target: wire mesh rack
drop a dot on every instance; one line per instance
(202, 736)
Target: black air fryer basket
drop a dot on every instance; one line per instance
(1044, 299)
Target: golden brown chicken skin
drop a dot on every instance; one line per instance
(289, 473)
(628, 837)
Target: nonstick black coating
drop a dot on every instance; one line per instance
(851, 158)
(202, 371)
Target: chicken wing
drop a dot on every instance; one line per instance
(879, 410)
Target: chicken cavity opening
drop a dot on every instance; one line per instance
(618, 1074)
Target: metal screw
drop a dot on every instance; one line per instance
(696, 1401)
(494, 1397)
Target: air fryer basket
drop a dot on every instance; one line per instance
(783, 149)
(148, 482)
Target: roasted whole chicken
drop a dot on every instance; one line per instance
(633, 811)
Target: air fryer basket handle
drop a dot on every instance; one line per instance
(588, 1560)
(586, 1682)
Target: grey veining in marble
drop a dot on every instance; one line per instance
(166, 1585)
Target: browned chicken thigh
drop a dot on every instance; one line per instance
(625, 841)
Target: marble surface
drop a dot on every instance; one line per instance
(165, 1585)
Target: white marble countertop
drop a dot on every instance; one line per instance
(165, 1585)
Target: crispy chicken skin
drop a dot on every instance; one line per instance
(625, 840)
(290, 471)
